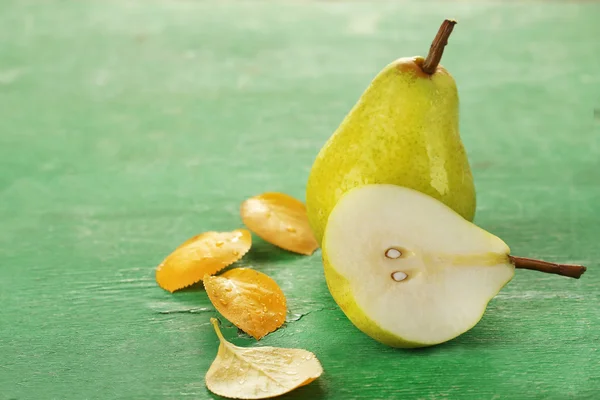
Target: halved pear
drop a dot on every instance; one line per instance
(406, 269)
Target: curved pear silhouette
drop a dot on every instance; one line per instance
(404, 131)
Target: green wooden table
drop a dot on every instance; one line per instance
(127, 126)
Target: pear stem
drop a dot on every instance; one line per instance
(437, 47)
(570, 270)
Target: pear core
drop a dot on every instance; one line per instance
(434, 289)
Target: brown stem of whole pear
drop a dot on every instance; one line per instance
(570, 270)
(437, 47)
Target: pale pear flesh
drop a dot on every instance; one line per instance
(403, 130)
(406, 269)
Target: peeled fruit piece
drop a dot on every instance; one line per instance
(403, 130)
(251, 300)
(409, 271)
(259, 372)
(280, 220)
(201, 255)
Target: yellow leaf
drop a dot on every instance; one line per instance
(201, 255)
(281, 220)
(259, 372)
(251, 300)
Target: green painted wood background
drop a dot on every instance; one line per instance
(127, 126)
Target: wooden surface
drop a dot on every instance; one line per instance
(128, 126)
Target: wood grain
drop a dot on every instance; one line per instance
(127, 126)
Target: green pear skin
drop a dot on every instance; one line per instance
(403, 130)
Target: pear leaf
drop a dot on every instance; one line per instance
(251, 300)
(259, 372)
(204, 254)
(281, 220)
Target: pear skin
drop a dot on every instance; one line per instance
(403, 130)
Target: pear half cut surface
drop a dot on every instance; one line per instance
(406, 269)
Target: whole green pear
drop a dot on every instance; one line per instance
(404, 131)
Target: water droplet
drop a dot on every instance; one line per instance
(235, 253)
(219, 243)
(291, 229)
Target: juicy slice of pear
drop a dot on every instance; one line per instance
(408, 270)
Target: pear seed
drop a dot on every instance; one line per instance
(399, 276)
(393, 253)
